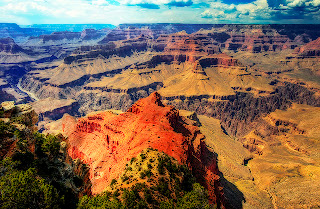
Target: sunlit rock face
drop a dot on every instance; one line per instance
(107, 142)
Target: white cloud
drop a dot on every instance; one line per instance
(116, 11)
(241, 12)
(260, 11)
(158, 2)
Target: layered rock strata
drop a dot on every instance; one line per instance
(107, 142)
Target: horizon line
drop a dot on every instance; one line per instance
(142, 23)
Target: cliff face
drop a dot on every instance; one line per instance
(129, 31)
(259, 42)
(107, 142)
(241, 113)
(92, 34)
(8, 45)
(55, 38)
(254, 39)
(305, 61)
(13, 30)
(311, 49)
(125, 34)
(72, 39)
(21, 142)
(117, 74)
(54, 109)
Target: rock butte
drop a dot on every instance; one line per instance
(9, 46)
(310, 49)
(107, 142)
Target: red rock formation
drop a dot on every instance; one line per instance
(311, 49)
(183, 44)
(258, 40)
(219, 60)
(125, 34)
(107, 142)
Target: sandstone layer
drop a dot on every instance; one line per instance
(287, 165)
(107, 142)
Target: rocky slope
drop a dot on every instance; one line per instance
(10, 52)
(107, 142)
(253, 38)
(238, 77)
(312, 49)
(14, 62)
(129, 31)
(54, 109)
(189, 70)
(287, 167)
(23, 148)
(165, 64)
(40, 52)
(303, 65)
(8, 45)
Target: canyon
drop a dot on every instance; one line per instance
(107, 142)
(239, 103)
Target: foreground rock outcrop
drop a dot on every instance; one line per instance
(107, 142)
(36, 167)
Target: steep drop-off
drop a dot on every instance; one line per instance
(107, 142)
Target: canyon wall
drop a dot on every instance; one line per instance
(106, 142)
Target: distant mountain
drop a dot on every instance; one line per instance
(14, 31)
(22, 33)
(171, 27)
(87, 36)
(9, 46)
(69, 27)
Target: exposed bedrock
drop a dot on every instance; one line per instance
(106, 142)
(241, 113)
(108, 51)
(54, 109)
(312, 49)
(238, 113)
(8, 45)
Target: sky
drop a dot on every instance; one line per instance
(26, 12)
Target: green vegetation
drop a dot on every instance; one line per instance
(174, 188)
(113, 182)
(132, 199)
(24, 189)
(140, 196)
(124, 178)
(22, 119)
(6, 129)
(1, 112)
(197, 198)
(35, 175)
(99, 201)
(146, 173)
(132, 160)
(47, 145)
(163, 187)
(143, 156)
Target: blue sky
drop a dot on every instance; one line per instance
(115, 12)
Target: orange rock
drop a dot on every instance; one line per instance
(311, 49)
(106, 142)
